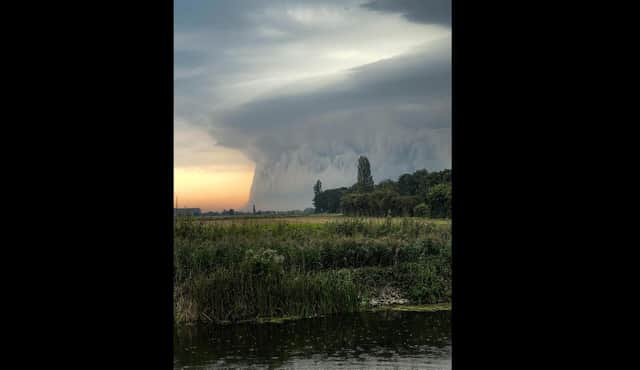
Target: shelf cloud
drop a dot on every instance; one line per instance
(302, 89)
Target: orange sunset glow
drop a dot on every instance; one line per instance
(212, 190)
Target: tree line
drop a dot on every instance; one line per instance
(419, 194)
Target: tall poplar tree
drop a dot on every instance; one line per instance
(317, 189)
(365, 181)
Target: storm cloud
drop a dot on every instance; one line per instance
(303, 90)
(423, 11)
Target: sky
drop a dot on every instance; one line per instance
(270, 96)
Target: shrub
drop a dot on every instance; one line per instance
(421, 210)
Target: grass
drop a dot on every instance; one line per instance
(304, 219)
(248, 269)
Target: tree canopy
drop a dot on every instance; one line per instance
(420, 194)
(365, 180)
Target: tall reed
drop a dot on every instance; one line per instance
(240, 271)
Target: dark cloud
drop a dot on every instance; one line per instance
(232, 14)
(232, 59)
(397, 112)
(421, 11)
(195, 14)
(416, 79)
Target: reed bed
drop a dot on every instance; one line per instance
(229, 272)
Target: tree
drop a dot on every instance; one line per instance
(387, 185)
(439, 200)
(317, 190)
(403, 205)
(333, 199)
(365, 181)
(386, 202)
(406, 184)
(348, 203)
(422, 194)
(420, 181)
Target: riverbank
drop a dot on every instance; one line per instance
(231, 273)
(394, 308)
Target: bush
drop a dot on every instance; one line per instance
(421, 210)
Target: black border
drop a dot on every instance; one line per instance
(108, 185)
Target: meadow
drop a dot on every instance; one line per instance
(233, 269)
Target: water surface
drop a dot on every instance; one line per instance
(399, 340)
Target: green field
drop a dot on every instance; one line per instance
(309, 219)
(230, 269)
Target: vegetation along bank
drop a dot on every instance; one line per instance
(237, 271)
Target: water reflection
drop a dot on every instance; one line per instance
(365, 340)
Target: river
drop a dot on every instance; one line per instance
(379, 340)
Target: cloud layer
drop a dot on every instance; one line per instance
(422, 11)
(302, 91)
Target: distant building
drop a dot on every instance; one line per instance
(187, 212)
